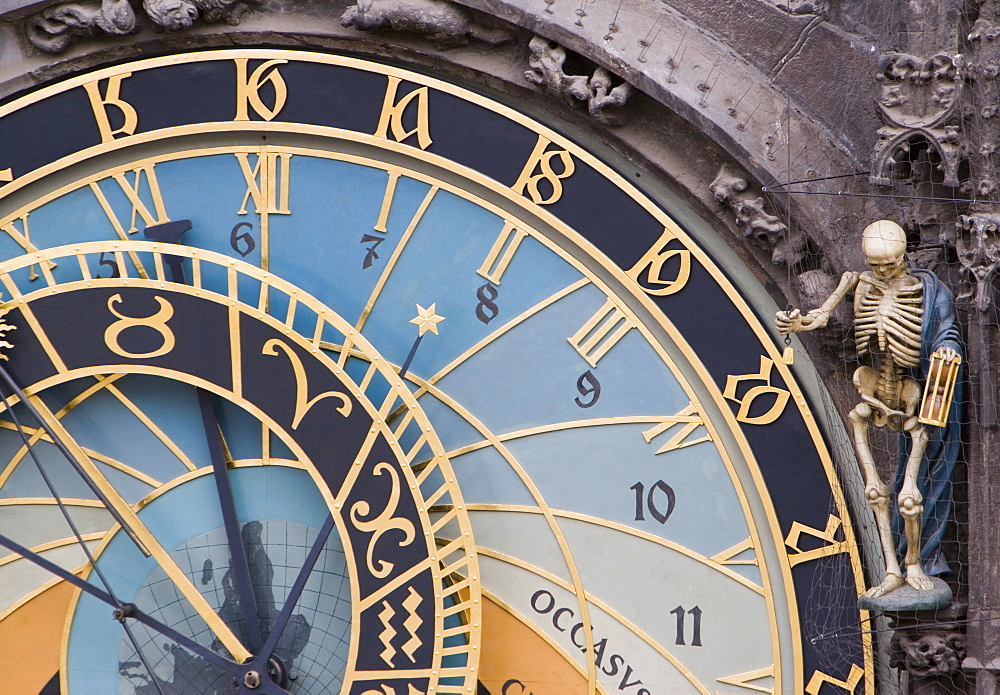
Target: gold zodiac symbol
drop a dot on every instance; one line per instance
(383, 522)
(302, 401)
(158, 322)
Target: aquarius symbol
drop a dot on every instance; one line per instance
(486, 294)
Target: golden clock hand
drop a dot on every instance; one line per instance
(139, 530)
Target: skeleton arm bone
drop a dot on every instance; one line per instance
(794, 322)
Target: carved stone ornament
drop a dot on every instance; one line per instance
(918, 100)
(979, 253)
(927, 654)
(440, 21)
(765, 230)
(816, 7)
(546, 69)
(56, 28)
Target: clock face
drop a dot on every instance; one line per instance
(353, 380)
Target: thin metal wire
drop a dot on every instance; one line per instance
(79, 538)
(894, 196)
(837, 633)
(821, 178)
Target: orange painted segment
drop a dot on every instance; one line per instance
(515, 660)
(31, 636)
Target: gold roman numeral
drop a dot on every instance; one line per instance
(827, 535)
(689, 419)
(134, 190)
(601, 332)
(267, 182)
(502, 252)
(23, 238)
(745, 680)
(391, 118)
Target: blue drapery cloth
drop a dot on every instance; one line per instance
(937, 468)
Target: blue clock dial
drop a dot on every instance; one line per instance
(403, 400)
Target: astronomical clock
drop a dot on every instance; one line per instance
(326, 376)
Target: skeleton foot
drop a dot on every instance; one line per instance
(890, 583)
(916, 578)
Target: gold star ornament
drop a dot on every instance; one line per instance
(427, 320)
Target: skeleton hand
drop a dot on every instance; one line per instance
(949, 354)
(794, 322)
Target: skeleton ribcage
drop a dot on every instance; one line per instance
(887, 321)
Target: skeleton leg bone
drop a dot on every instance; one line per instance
(877, 493)
(911, 509)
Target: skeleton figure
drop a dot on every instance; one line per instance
(899, 318)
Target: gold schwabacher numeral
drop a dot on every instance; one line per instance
(780, 396)
(390, 121)
(849, 685)
(601, 332)
(502, 252)
(267, 182)
(689, 420)
(100, 103)
(649, 271)
(248, 89)
(134, 191)
(828, 536)
(539, 169)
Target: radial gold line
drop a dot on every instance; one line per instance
(36, 328)
(391, 263)
(386, 589)
(547, 513)
(122, 268)
(613, 614)
(514, 322)
(265, 445)
(158, 264)
(355, 469)
(571, 424)
(148, 422)
(39, 434)
(235, 349)
(345, 352)
(628, 530)
(50, 545)
(162, 557)
(318, 333)
(84, 267)
(265, 194)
